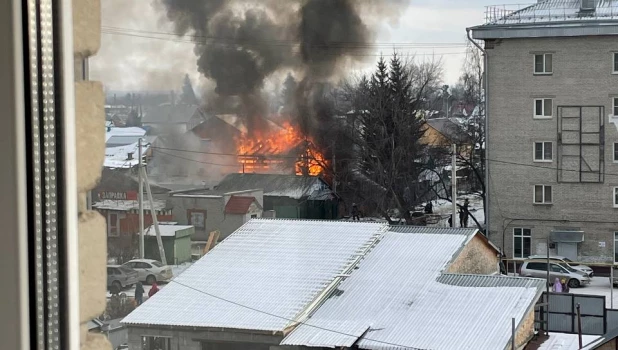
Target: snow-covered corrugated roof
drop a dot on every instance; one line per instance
(128, 131)
(550, 11)
(399, 294)
(166, 230)
(126, 205)
(259, 278)
(118, 157)
(277, 185)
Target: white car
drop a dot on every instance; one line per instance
(150, 271)
(583, 268)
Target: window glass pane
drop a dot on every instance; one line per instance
(548, 107)
(538, 107)
(615, 62)
(615, 106)
(615, 196)
(517, 247)
(526, 246)
(517, 231)
(538, 63)
(548, 63)
(615, 151)
(548, 151)
(526, 232)
(538, 151)
(547, 198)
(538, 194)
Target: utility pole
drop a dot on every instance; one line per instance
(334, 169)
(140, 198)
(454, 184)
(153, 214)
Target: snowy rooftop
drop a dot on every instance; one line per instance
(550, 11)
(166, 230)
(277, 185)
(118, 157)
(399, 298)
(129, 131)
(277, 267)
(126, 205)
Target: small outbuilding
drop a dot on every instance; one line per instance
(176, 243)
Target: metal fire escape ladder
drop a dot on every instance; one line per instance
(581, 144)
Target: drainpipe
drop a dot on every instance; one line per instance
(486, 90)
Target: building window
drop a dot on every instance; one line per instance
(615, 55)
(615, 106)
(542, 194)
(197, 218)
(615, 197)
(113, 224)
(543, 108)
(543, 63)
(543, 151)
(521, 243)
(254, 216)
(615, 152)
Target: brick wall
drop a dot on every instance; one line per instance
(89, 114)
(582, 75)
(476, 258)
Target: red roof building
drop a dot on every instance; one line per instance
(240, 205)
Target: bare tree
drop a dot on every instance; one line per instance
(471, 150)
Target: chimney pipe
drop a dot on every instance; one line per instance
(130, 156)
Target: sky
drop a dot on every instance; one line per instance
(142, 63)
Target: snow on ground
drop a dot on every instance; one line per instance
(445, 208)
(599, 286)
(176, 271)
(564, 341)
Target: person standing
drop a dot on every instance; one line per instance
(355, 213)
(565, 286)
(465, 212)
(429, 208)
(557, 287)
(461, 217)
(139, 293)
(153, 290)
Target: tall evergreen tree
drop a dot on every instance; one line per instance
(188, 95)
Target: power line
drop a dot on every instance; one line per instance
(336, 44)
(198, 161)
(289, 319)
(332, 53)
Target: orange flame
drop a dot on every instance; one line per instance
(268, 151)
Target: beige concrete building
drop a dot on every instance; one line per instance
(552, 131)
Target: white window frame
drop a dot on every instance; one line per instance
(614, 201)
(615, 106)
(542, 160)
(544, 72)
(614, 62)
(543, 101)
(543, 202)
(116, 227)
(522, 236)
(615, 245)
(614, 149)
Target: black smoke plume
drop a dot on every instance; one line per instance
(240, 43)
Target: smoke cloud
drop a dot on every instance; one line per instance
(239, 44)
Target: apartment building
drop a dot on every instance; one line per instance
(552, 90)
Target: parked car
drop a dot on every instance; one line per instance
(583, 268)
(120, 277)
(574, 278)
(150, 271)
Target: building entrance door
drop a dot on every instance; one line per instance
(568, 250)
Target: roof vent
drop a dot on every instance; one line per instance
(588, 5)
